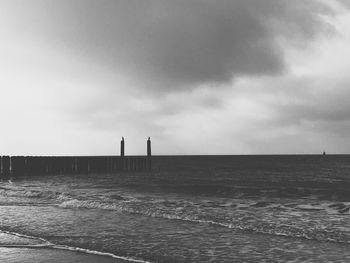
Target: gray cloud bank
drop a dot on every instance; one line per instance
(177, 43)
(169, 47)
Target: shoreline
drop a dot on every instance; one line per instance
(15, 247)
(33, 254)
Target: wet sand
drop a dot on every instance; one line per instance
(22, 249)
(50, 255)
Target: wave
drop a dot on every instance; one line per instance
(48, 244)
(11, 194)
(231, 214)
(30, 193)
(243, 223)
(128, 205)
(91, 204)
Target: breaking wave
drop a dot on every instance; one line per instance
(233, 220)
(12, 191)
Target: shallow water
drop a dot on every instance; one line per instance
(40, 255)
(193, 209)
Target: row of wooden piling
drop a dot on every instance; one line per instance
(39, 165)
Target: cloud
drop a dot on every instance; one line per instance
(199, 76)
(172, 44)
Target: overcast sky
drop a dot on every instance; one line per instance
(198, 76)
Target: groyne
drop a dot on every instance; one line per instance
(41, 165)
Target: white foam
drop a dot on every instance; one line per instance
(91, 204)
(48, 244)
(94, 252)
(25, 236)
(310, 207)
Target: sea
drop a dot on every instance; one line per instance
(263, 208)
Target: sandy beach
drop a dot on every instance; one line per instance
(21, 249)
(48, 255)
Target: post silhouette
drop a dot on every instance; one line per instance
(122, 147)
(6, 163)
(149, 154)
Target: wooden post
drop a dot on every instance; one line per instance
(82, 163)
(88, 165)
(149, 147)
(5, 166)
(18, 165)
(75, 165)
(122, 147)
(149, 154)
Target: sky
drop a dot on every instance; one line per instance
(198, 76)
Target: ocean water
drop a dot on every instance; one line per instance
(189, 209)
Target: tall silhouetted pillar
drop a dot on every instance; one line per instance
(122, 147)
(149, 154)
(149, 147)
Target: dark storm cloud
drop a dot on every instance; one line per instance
(178, 43)
(239, 76)
(346, 3)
